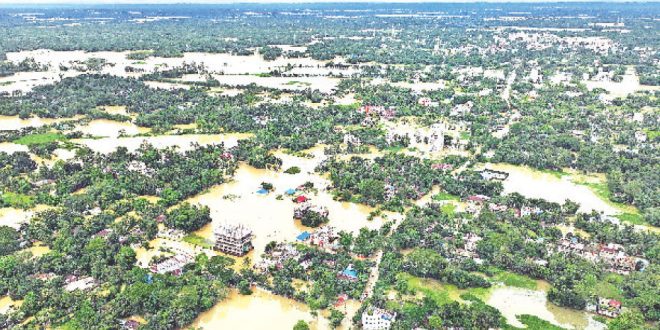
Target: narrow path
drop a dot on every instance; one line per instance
(375, 271)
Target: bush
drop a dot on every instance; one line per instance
(292, 170)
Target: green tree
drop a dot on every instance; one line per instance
(301, 325)
(629, 320)
(9, 240)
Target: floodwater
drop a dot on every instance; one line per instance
(14, 123)
(6, 303)
(259, 310)
(535, 184)
(322, 83)
(415, 86)
(230, 69)
(271, 219)
(111, 128)
(214, 62)
(38, 249)
(517, 301)
(15, 217)
(183, 142)
(628, 85)
(11, 148)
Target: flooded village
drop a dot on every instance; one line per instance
(356, 169)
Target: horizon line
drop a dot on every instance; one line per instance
(215, 2)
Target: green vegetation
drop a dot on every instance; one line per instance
(532, 322)
(195, 239)
(21, 201)
(382, 95)
(42, 138)
(443, 196)
(514, 280)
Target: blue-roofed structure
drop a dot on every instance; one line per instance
(262, 191)
(303, 236)
(350, 273)
(290, 191)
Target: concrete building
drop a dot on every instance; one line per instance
(377, 319)
(234, 240)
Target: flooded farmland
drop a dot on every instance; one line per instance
(516, 301)
(535, 184)
(257, 311)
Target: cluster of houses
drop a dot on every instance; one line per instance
(171, 234)
(324, 237)
(173, 265)
(442, 166)
(461, 109)
(544, 40)
(612, 255)
(476, 202)
(129, 324)
(377, 319)
(605, 307)
(434, 137)
(105, 234)
(73, 282)
(375, 112)
(276, 257)
(233, 239)
(427, 102)
(302, 208)
(469, 249)
(488, 174)
(352, 140)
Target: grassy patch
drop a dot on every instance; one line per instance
(533, 323)
(630, 213)
(443, 196)
(298, 83)
(448, 209)
(441, 294)
(17, 200)
(557, 173)
(634, 218)
(653, 134)
(40, 138)
(394, 149)
(607, 287)
(195, 239)
(515, 280)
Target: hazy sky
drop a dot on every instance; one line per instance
(266, 1)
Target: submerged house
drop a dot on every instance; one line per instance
(173, 265)
(608, 307)
(234, 240)
(493, 175)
